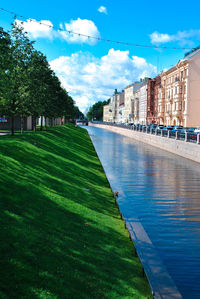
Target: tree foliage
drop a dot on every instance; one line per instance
(28, 86)
(95, 112)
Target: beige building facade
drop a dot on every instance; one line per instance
(107, 113)
(128, 98)
(179, 93)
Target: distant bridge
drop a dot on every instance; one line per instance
(82, 121)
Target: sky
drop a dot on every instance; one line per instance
(90, 69)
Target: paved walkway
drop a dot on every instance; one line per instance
(160, 281)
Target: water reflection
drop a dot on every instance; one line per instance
(163, 191)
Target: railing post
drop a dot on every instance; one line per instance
(198, 138)
(186, 136)
(151, 131)
(168, 133)
(176, 135)
(161, 133)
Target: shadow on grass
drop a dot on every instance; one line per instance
(59, 239)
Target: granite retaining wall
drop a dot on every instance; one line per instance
(185, 149)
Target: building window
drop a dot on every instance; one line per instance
(181, 75)
(186, 72)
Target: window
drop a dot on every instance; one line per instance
(181, 75)
(185, 73)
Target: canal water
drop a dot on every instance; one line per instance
(162, 190)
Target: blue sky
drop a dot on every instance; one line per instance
(89, 70)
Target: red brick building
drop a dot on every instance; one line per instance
(152, 100)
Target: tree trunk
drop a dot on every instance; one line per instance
(22, 125)
(34, 123)
(45, 121)
(41, 125)
(12, 126)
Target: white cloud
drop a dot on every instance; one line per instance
(43, 29)
(103, 9)
(183, 37)
(82, 102)
(89, 79)
(80, 26)
(158, 38)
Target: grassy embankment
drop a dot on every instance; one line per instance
(61, 233)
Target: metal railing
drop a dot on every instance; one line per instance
(176, 135)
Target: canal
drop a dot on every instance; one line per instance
(162, 190)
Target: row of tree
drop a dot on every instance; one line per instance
(95, 112)
(28, 86)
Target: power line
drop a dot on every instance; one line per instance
(92, 37)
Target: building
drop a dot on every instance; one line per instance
(28, 123)
(128, 98)
(106, 113)
(132, 98)
(113, 108)
(114, 111)
(153, 92)
(179, 95)
(135, 105)
(121, 108)
(143, 103)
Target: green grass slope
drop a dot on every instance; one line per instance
(61, 234)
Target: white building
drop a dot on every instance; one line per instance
(131, 102)
(143, 104)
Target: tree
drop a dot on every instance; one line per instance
(16, 97)
(28, 86)
(77, 113)
(37, 72)
(5, 61)
(96, 111)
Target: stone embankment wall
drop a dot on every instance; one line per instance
(182, 148)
